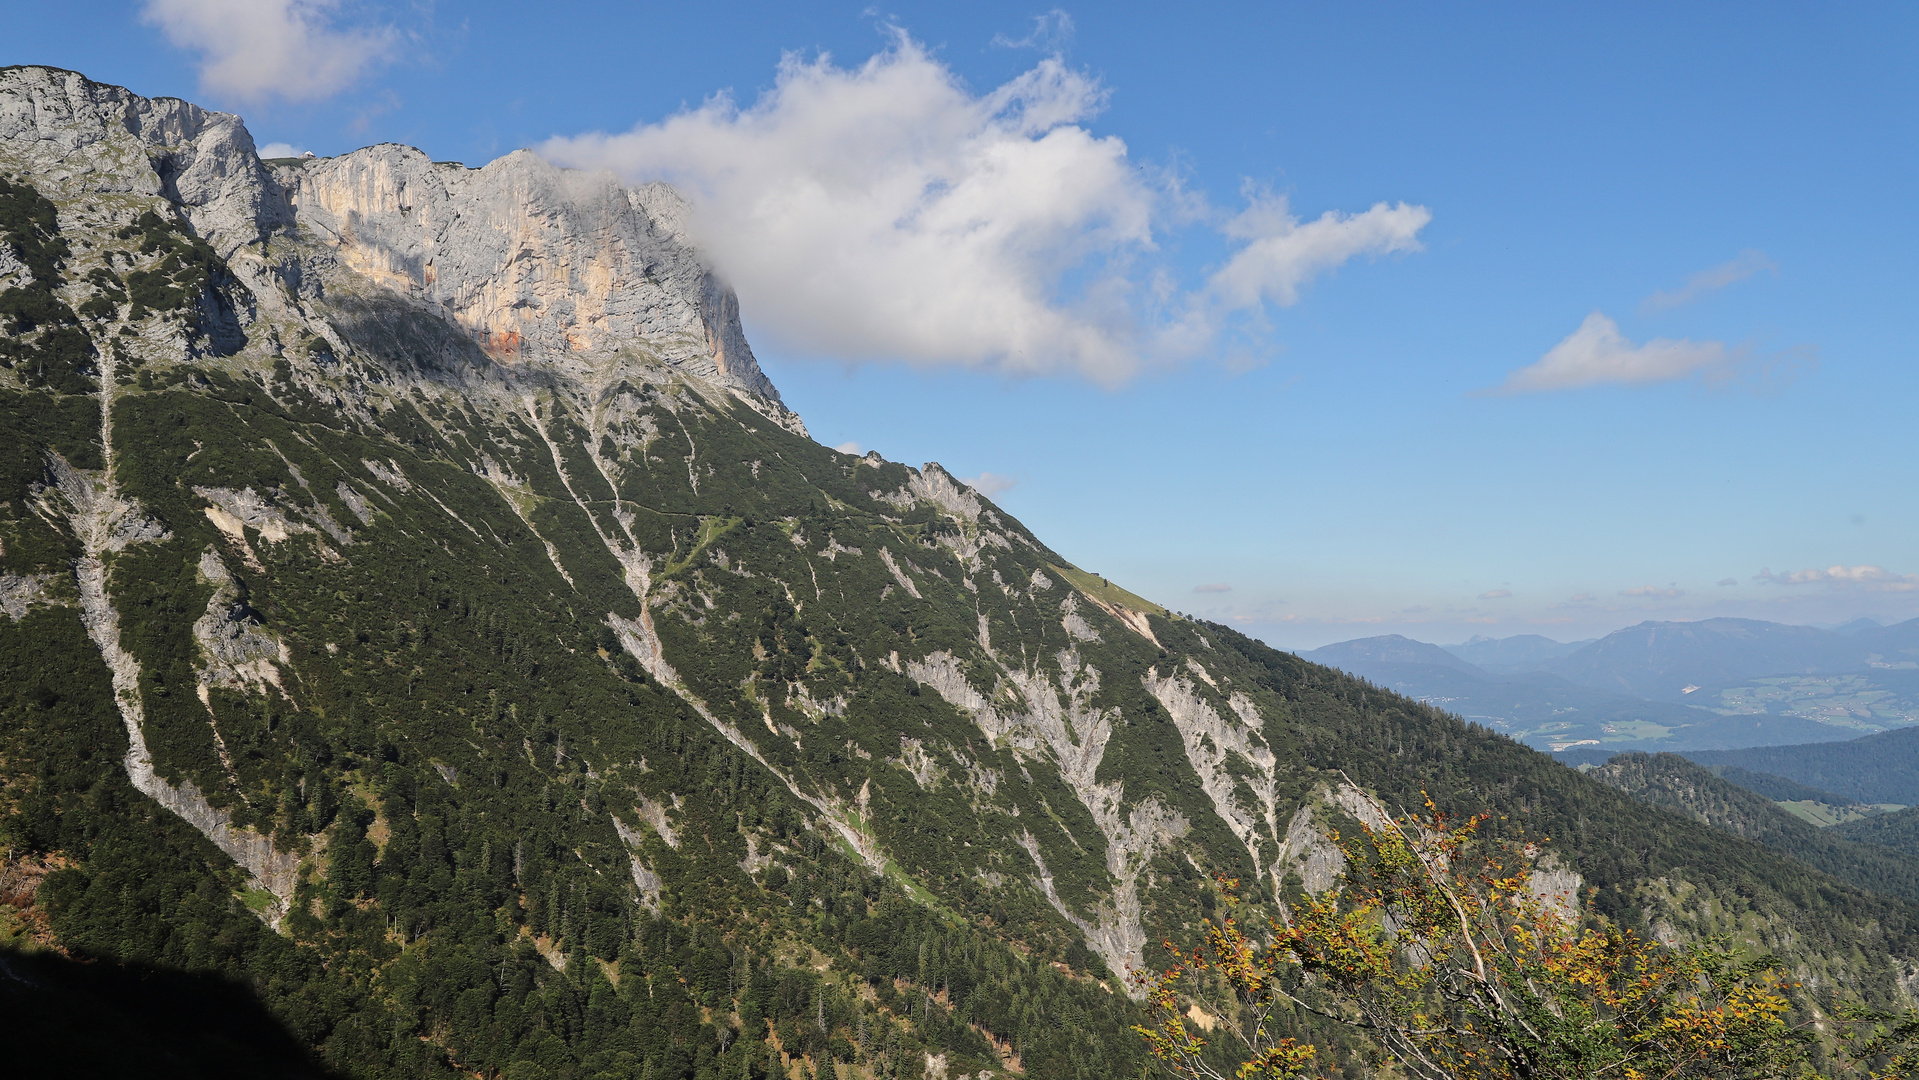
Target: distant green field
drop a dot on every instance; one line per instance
(1824, 814)
(1858, 701)
(1620, 731)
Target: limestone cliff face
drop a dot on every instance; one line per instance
(85, 136)
(538, 263)
(540, 266)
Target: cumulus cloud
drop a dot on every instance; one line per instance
(1495, 594)
(1711, 280)
(280, 150)
(1597, 353)
(1653, 592)
(1877, 578)
(886, 211)
(1215, 587)
(1727, 581)
(990, 484)
(258, 49)
(850, 447)
(1281, 254)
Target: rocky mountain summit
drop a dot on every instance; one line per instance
(418, 605)
(537, 265)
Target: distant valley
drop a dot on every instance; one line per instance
(1708, 685)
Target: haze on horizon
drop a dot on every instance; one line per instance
(1325, 324)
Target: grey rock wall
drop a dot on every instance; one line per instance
(86, 136)
(539, 264)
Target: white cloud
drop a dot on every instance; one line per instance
(1711, 280)
(1281, 254)
(1216, 587)
(1050, 31)
(850, 447)
(1495, 594)
(888, 212)
(280, 150)
(1876, 578)
(1598, 353)
(258, 49)
(1653, 592)
(990, 484)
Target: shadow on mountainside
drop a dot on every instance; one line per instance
(74, 1018)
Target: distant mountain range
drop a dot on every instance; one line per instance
(1521, 652)
(1674, 660)
(1708, 685)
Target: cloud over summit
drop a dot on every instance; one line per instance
(259, 49)
(887, 211)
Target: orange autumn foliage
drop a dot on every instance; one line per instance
(1438, 945)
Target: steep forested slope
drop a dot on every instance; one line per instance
(1881, 768)
(1777, 788)
(1898, 830)
(420, 611)
(1674, 783)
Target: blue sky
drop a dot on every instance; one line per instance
(1614, 318)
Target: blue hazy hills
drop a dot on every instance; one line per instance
(1715, 684)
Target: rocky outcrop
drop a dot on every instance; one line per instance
(1308, 850)
(104, 524)
(21, 592)
(538, 266)
(84, 136)
(1060, 720)
(235, 651)
(537, 263)
(1230, 756)
(648, 882)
